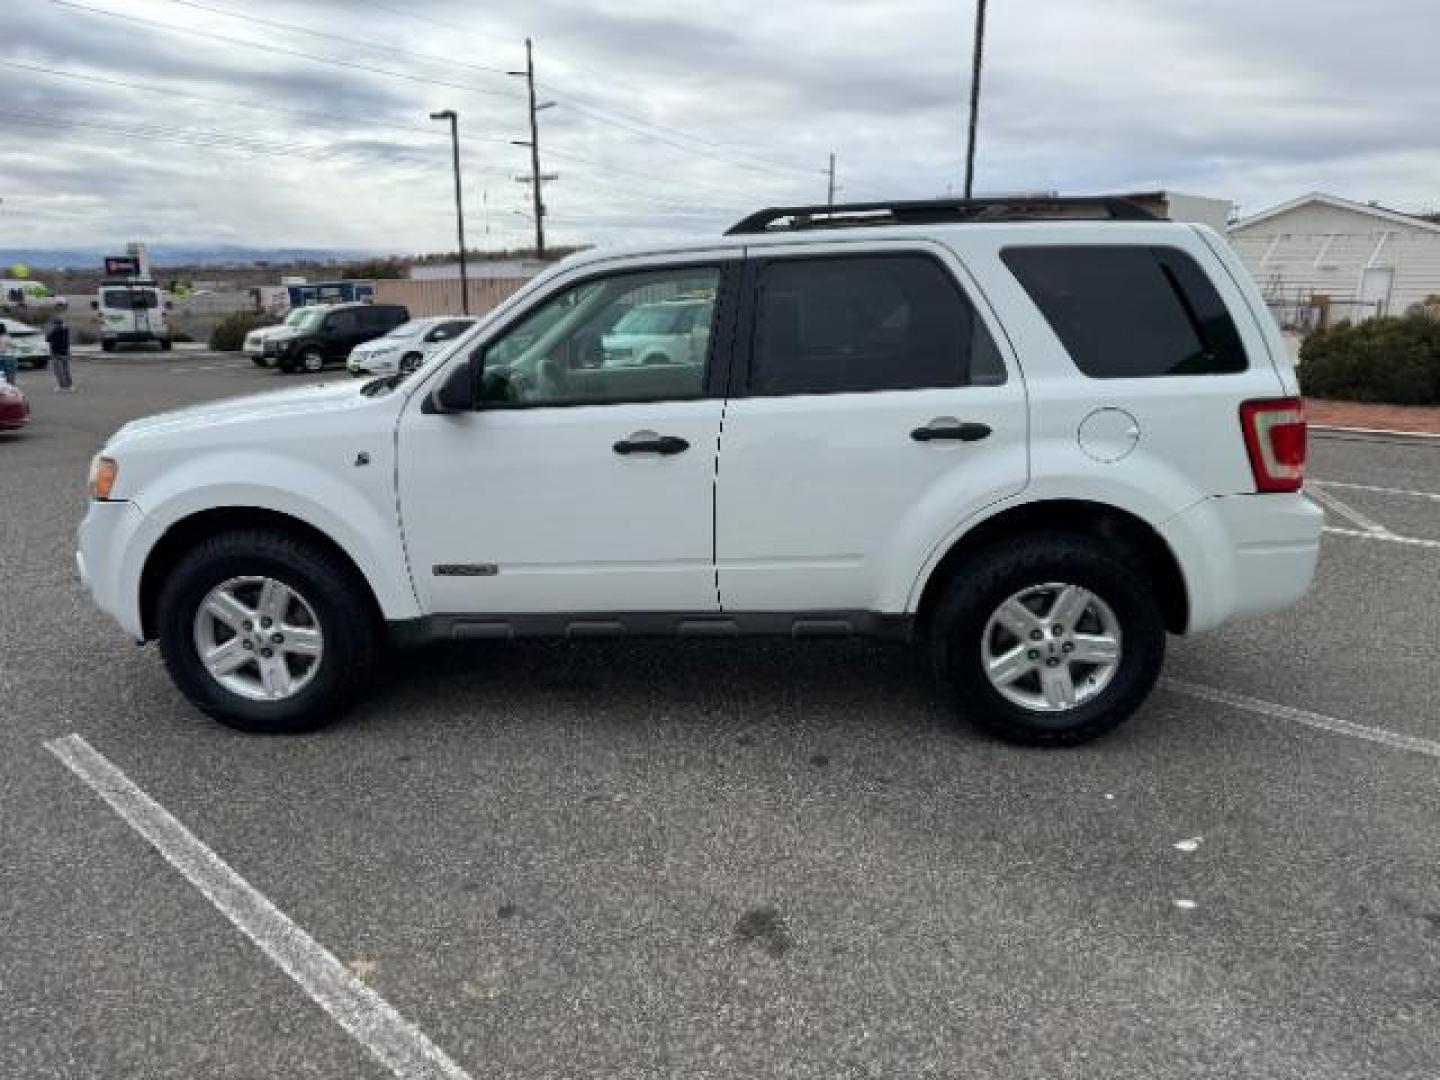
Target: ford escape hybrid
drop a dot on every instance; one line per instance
(1031, 436)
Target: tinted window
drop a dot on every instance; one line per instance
(342, 322)
(854, 324)
(574, 349)
(130, 299)
(1130, 312)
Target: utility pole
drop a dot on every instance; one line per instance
(975, 96)
(536, 177)
(830, 189)
(449, 114)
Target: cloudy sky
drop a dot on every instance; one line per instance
(303, 122)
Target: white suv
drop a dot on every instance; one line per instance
(1031, 436)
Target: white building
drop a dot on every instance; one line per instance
(1177, 206)
(1320, 258)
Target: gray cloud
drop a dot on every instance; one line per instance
(675, 118)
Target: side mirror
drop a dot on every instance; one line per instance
(456, 392)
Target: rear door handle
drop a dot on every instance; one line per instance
(647, 442)
(946, 429)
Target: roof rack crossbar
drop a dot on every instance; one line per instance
(940, 211)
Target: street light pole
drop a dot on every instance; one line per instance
(450, 114)
(975, 96)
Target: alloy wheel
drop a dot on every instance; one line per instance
(1051, 648)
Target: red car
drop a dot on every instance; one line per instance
(14, 410)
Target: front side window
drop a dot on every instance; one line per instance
(582, 346)
(855, 324)
(1125, 312)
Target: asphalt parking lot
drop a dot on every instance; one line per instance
(730, 860)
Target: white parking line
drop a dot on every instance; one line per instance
(1365, 534)
(1375, 488)
(1345, 510)
(1412, 743)
(395, 1042)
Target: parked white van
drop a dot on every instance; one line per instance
(132, 311)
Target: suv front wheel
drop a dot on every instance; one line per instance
(266, 633)
(1053, 640)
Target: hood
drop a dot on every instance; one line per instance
(253, 408)
(265, 333)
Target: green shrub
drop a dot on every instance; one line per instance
(1386, 361)
(229, 333)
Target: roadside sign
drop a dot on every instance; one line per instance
(122, 265)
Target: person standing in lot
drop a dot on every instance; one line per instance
(59, 339)
(9, 362)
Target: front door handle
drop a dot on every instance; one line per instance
(647, 442)
(946, 429)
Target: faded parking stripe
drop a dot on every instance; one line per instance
(395, 1042)
(1413, 743)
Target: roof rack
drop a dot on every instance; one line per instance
(942, 211)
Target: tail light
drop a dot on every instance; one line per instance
(1275, 438)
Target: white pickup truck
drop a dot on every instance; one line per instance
(1031, 436)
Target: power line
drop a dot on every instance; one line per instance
(169, 92)
(433, 58)
(593, 114)
(759, 160)
(556, 87)
(567, 155)
(188, 137)
(354, 65)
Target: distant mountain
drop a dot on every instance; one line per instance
(173, 255)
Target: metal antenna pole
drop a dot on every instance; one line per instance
(975, 96)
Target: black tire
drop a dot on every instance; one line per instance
(258, 361)
(997, 573)
(409, 362)
(40, 363)
(107, 346)
(165, 344)
(312, 360)
(341, 605)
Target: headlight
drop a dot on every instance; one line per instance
(103, 471)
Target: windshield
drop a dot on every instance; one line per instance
(310, 319)
(130, 299)
(407, 330)
(297, 316)
(653, 319)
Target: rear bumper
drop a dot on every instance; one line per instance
(133, 337)
(1245, 554)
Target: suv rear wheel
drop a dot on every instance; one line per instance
(266, 633)
(1049, 641)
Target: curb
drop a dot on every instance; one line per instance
(1417, 438)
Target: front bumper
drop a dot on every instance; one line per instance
(1245, 554)
(107, 563)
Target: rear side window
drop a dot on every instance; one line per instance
(854, 324)
(1126, 312)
